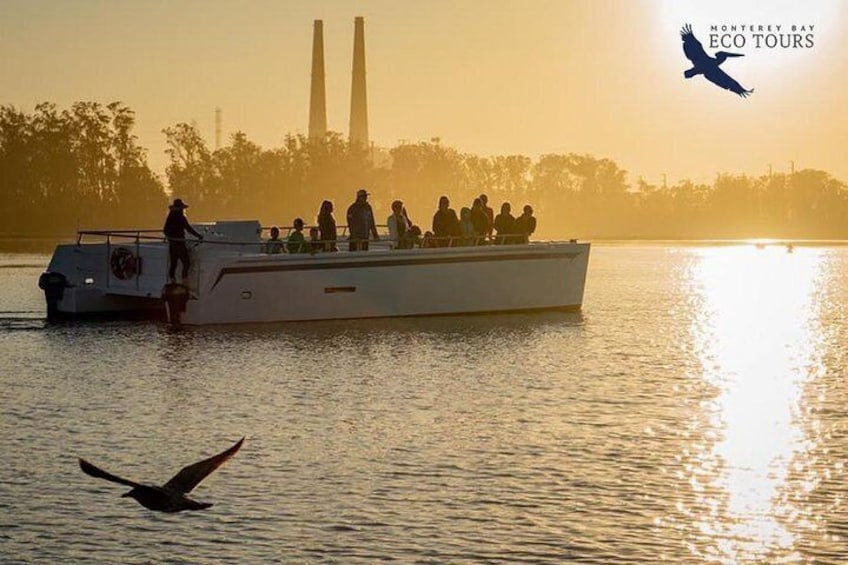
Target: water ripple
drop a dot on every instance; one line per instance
(681, 418)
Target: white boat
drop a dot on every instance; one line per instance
(232, 281)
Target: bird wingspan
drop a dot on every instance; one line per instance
(190, 476)
(692, 48)
(95, 471)
(719, 77)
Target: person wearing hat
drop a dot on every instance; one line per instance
(360, 222)
(176, 225)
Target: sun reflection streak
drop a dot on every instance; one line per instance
(757, 340)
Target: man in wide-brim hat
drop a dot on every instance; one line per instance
(176, 224)
(178, 205)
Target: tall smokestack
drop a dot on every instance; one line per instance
(317, 97)
(358, 99)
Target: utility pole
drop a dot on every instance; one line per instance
(217, 128)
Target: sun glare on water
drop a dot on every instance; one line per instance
(757, 343)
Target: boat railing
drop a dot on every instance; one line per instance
(137, 238)
(137, 235)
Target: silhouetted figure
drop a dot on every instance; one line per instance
(170, 497)
(490, 214)
(414, 236)
(399, 225)
(176, 224)
(274, 245)
(709, 66)
(360, 222)
(525, 225)
(445, 223)
(327, 226)
(315, 244)
(296, 243)
(428, 240)
(480, 221)
(466, 228)
(504, 225)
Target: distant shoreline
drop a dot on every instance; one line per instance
(19, 243)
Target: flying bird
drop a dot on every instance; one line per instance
(170, 497)
(709, 66)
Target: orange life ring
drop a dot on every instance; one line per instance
(124, 263)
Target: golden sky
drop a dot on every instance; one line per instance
(487, 76)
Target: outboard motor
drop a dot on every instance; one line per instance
(176, 297)
(53, 285)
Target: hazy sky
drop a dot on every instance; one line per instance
(490, 77)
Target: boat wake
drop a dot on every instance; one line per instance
(22, 321)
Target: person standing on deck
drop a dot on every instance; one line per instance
(505, 225)
(176, 224)
(480, 221)
(327, 226)
(490, 214)
(360, 222)
(525, 225)
(446, 224)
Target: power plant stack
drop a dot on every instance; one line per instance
(317, 97)
(358, 99)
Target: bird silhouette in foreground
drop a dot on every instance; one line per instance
(709, 66)
(170, 497)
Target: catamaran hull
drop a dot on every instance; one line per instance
(235, 283)
(413, 283)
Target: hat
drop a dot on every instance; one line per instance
(178, 205)
(361, 192)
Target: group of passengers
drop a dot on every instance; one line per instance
(476, 225)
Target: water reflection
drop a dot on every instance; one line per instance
(757, 337)
(694, 413)
(413, 339)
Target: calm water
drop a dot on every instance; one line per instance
(694, 412)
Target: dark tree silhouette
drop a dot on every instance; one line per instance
(76, 167)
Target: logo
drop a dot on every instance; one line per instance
(708, 66)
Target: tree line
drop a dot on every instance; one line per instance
(80, 166)
(60, 169)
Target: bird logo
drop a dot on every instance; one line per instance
(170, 497)
(709, 66)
